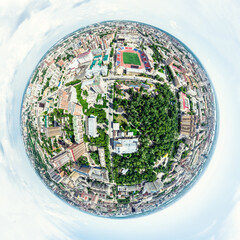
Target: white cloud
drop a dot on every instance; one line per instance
(173, 24)
(230, 228)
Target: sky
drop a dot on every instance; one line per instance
(210, 210)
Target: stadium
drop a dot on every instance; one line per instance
(132, 58)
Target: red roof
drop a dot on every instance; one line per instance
(183, 100)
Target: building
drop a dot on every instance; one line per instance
(75, 109)
(87, 83)
(85, 57)
(169, 61)
(122, 146)
(77, 150)
(74, 176)
(82, 58)
(63, 100)
(130, 134)
(134, 71)
(98, 85)
(68, 101)
(99, 174)
(116, 126)
(53, 132)
(195, 160)
(132, 188)
(180, 150)
(72, 94)
(54, 175)
(60, 160)
(106, 56)
(84, 171)
(176, 82)
(96, 70)
(106, 59)
(188, 125)
(77, 128)
(101, 154)
(152, 187)
(92, 126)
(184, 102)
(100, 188)
(104, 71)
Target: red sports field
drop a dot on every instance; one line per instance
(129, 50)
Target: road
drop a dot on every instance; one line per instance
(110, 116)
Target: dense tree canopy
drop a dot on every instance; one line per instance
(155, 116)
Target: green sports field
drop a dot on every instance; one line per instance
(131, 58)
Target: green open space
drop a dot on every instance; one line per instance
(131, 58)
(155, 118)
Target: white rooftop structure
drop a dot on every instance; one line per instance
(135, 70)
(130, 134)
(92, 126)
(152, 187)
(74, 64)
(96, 71)
(116, 126)
(125, 145)
(87, 83)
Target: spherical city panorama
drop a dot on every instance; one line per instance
(118, 118)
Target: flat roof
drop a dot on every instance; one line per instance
(105, 58)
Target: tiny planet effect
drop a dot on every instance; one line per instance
(119, 118)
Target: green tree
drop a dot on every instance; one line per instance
(110, 65)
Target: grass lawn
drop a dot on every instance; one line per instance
(135, 132)
(119, 118)
(131, 58)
